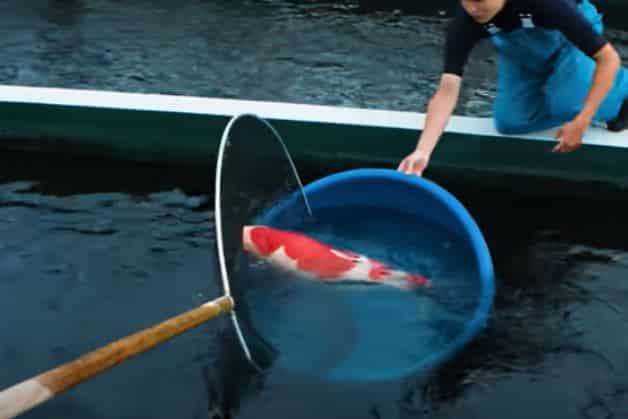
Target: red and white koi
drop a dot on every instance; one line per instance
(301, 254)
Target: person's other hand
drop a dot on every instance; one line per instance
(570, 136)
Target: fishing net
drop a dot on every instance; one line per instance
(254, 172)
(334, 329)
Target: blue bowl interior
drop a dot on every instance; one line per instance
(401, 197)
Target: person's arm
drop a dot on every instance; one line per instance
(570, 135)
(439, 110)
(608, 63)
(576, 28)
(571, 22)
(461, 37)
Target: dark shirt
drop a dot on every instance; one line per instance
(563, 15)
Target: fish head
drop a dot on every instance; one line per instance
(258, 240)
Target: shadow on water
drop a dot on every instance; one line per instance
(64, 12)
(60, 175)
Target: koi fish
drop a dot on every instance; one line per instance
(298, 253)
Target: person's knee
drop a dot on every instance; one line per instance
(513, 123)
(508, 124)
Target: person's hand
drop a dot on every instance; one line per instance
(414, 163)
(570, 135)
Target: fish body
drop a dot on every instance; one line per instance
(301, 254)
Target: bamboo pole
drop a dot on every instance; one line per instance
(32, 392)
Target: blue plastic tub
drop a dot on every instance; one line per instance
(419, 197)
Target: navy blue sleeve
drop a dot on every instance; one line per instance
(462, 35)
(565, 16)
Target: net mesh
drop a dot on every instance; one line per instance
(254, 172)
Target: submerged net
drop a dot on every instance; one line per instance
(254, 171)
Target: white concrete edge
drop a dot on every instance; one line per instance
(279, 110)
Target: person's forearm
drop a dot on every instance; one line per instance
(603, 79)
(439, 110)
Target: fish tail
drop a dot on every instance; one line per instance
(405, 281)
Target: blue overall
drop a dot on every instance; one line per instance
(543, 79)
